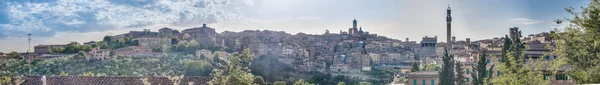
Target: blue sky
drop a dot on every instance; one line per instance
(62, 21)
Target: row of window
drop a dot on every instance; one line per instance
(557, 77)
(547, 58)
(424, 82)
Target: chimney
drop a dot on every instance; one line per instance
(406, 39)
(43, 80)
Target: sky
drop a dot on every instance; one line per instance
(63, 21)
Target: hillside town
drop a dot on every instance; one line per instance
(349, 53)
(353, 56)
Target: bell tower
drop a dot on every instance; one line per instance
(448, 25)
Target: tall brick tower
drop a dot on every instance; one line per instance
(448, 26)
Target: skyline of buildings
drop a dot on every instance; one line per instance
(395, 19)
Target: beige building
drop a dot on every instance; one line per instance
(99, 53)
(205, 53)
(339, 68)
(423, 78)
(221, 54)
(153, 42)
(135, 51)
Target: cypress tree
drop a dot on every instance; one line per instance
(447, 73)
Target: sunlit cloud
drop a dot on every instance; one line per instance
(526, 21)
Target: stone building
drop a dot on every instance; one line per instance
(135, 51)
(203, 34)
(153, 41)
(43, 49)
(205, 53)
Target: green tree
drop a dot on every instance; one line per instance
(197, 68)
(259, 80)
(447, 72)
(89, 74)
(302, 82)
(14, 55)
(479, 70)
(578, 44)
(364, 83)
(514, 70)
(146, 32)
(460, 74)
(430, 67)
(107, 39)
(62, 73)
(279, 83)
(415, 67)
(238, 70)
(341, 83)
(218, 78)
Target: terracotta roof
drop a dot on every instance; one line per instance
(82, 80)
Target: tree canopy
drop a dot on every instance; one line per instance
(578, 45)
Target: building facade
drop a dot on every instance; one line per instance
(423, 78)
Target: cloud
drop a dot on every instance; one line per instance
(46, 18)
(526, 21)
(285, 19)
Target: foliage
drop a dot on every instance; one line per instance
(73, 47)
(145, 81)
(341, 83)
(120, 66)
(197, 68)
(13, 55)
(191, 46)
(271, 69)
(89, 74)
(430, 67)
(259, 80)
(479, 70)
(176, 79)
(578, 44)
(302, 82)
(63, 73)
(378, 73)
(238, 70)
(514, 70)
(415, 67)
(5, 80)
(279, 83)
(107, 39)
(364, 83)
(447, 72)
(460, 77)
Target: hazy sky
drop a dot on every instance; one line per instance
(63, 21)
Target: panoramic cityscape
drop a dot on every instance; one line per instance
(299, 42)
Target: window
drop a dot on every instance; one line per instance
(423, 81)
(546, 76)
(499, 60)
(562, 77)
(498, 73)
(547, 57)
(467, 79)
(432, 82)
(468, 71)
(554, 57)
(415, 82)
(487, 61)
